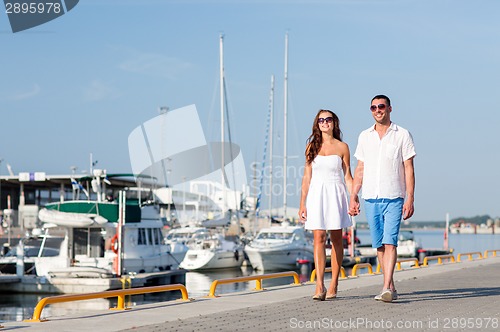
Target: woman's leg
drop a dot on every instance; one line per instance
(319, 259)
(336, 260)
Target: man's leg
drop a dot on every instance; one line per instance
(389, 258)
(381, 262)
(392, 221)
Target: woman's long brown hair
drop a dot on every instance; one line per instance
(315, 141)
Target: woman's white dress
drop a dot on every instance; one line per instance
(327, 202)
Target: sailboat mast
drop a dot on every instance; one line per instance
(221, 59)
(285, 125)
(446, 231)
(271, 105)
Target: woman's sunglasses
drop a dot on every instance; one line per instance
(328, 120)
(381, 107)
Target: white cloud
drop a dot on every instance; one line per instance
(155, 65)
(24, 95)
(98, 90)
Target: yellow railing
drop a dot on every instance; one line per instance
(120, 293)
(494, 251)
(258, 280)
(398, 264)
(439, 259)
(402, 260)
(360, 266)
(327, 270)
(469, 254)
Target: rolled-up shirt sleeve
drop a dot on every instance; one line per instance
(359, 155)
(408, 147)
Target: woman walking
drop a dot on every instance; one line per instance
(324, 199)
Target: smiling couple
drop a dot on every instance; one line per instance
(385, 173)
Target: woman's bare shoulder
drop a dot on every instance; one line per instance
(343, 149)
(342, 146)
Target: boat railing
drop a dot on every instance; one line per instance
(120, 293)
(258, 280)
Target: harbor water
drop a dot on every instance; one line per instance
(16, 307)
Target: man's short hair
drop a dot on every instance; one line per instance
(382, 97)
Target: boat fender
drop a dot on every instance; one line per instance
(114, 244)
(236, 255)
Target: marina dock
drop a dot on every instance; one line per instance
(449, 297)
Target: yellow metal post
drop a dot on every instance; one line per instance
(469, 255)
(439, 258)
(120, 293)
(258, 280)
(359, 266)
(258, 284)
(494, 252)
(328, 270)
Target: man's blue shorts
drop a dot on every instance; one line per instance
(384, 218)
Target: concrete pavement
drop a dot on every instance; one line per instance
(451, 297)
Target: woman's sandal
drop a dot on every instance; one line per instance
(320, 297)
(331, 296)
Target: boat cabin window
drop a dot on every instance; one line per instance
(274, 236)
(150, 236)
(30, 251)
(298, 237)
(88, 241)
(142, 237)
(178, 236)
(159, 236)
(171, 236)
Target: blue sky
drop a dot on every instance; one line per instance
(81, 83)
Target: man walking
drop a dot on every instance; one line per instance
(385, 155)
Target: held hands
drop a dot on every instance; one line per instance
(354, 206)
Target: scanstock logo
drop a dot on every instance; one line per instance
(26, 14)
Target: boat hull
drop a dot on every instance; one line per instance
(200, 259)
(277, 258)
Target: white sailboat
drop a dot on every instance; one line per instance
(178, 239)
(407, 246)
(215, 251)
(280, 248)
(285, 130)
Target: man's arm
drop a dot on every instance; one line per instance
(408, 207)
(357, 182)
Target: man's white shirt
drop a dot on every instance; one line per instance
(384, 174)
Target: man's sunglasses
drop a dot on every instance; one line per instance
(327, 119)
(381, 107)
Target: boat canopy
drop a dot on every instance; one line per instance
(107, 210)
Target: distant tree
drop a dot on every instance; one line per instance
(473, 220)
